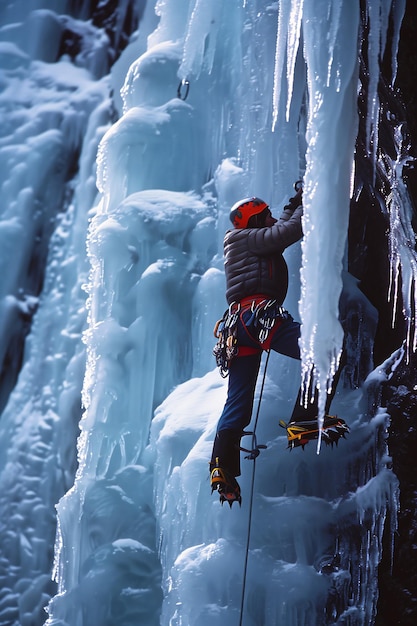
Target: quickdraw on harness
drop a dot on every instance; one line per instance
(264, 314)
(225, 332)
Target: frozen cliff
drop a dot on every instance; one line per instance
(128, 130)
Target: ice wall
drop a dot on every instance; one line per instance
(210, 115)
(218, 101)
(54, 108)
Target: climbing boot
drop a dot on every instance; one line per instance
(226, 451)
(300, 433)
(226, 485)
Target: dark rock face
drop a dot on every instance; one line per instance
(369, 262)
(117, 19)
(398, 572)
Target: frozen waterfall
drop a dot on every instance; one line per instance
(110, 408)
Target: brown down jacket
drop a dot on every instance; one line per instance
(253, 258)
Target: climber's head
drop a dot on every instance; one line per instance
(251, 213)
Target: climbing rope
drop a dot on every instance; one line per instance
(254, 453)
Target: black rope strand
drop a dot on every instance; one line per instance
(245, 567)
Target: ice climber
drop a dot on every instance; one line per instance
(256, 286)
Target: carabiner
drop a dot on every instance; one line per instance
(183, 83)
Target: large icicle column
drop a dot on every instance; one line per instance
(332, 78)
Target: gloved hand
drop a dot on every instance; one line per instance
(295, 201)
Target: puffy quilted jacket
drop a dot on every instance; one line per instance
(253, 258)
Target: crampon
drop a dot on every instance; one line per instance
(226, 485)
(300, 433)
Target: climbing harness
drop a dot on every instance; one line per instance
(253, 454)
(264, 314)
(184, 84)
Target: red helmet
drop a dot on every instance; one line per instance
(242, 211)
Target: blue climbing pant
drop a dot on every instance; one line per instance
(243, 373)
(243, 370)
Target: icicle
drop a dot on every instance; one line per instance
(201, 30)
(279, 56)
(378, 12)
(294, 29)
(403, 256)
(286, 47)
(335, 25)
(326, 192)
(372, 121)
(398, 12)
